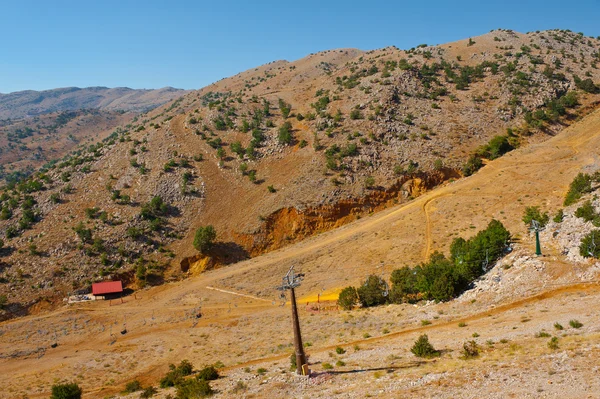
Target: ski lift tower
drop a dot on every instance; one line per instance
(289, 282)
(537, 227)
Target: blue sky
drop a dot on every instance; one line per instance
(189, 44)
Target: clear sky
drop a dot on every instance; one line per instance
(189, 44)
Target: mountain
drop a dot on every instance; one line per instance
(31, 103)
(41, 127)
(287, 150)
(429, 145)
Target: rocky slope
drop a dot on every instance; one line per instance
(286, 150)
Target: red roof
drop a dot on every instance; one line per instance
(107, 287)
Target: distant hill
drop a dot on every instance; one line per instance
(31, 103)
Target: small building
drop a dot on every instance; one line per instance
(107, 288)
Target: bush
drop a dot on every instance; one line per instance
(590, 245)
(371, 293)
(293, 362)
(133, 386)
(558, 218)
(498, 146)
(587, 212)
(553, 343)
(586, 85)
(441, 279)
(558, 326)
(208, 373)
(175, 375)
(339, 350)
(285, 133)
(154, 209)
(356, 114)
(348, 298)
(470, 350)
(204, 238)
(581, 184)
(575, 323)
(148, 392)
(423, 348)
(193, 389)
(85, 235)
(403, 285)
(66, 391)
(473, 164)
(533, 213)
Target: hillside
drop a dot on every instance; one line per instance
(30, 143)
(511, 313)
(285, 151)
(29, 103)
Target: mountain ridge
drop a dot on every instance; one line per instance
(27, 103)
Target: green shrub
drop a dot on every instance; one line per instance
(285, 133)
(553, 343)
(148, 392)
(285, 108)
(153, 209)
(175, 375)
(558, 218)
(498, 146)
(581, 184)
(293, 362)
(236, 148)
(586, 85)
(66, 391)
(133, 386)
(441, 279)
(590, 245)
(575, 323)
(356, 114)
(193, 389)
(473, 164)
(470, 350)
(558, 326)
(348, 298)
(204, 238)
(85, 235)
(371, 293)
(339, 350)
(423, 348)
(586, 211)
(327, 366)
(208, 373)
(403, 285)
(533, 213)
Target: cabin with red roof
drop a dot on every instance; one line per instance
(107, 288)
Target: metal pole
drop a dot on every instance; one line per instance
(300, 356)
(538, 250)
